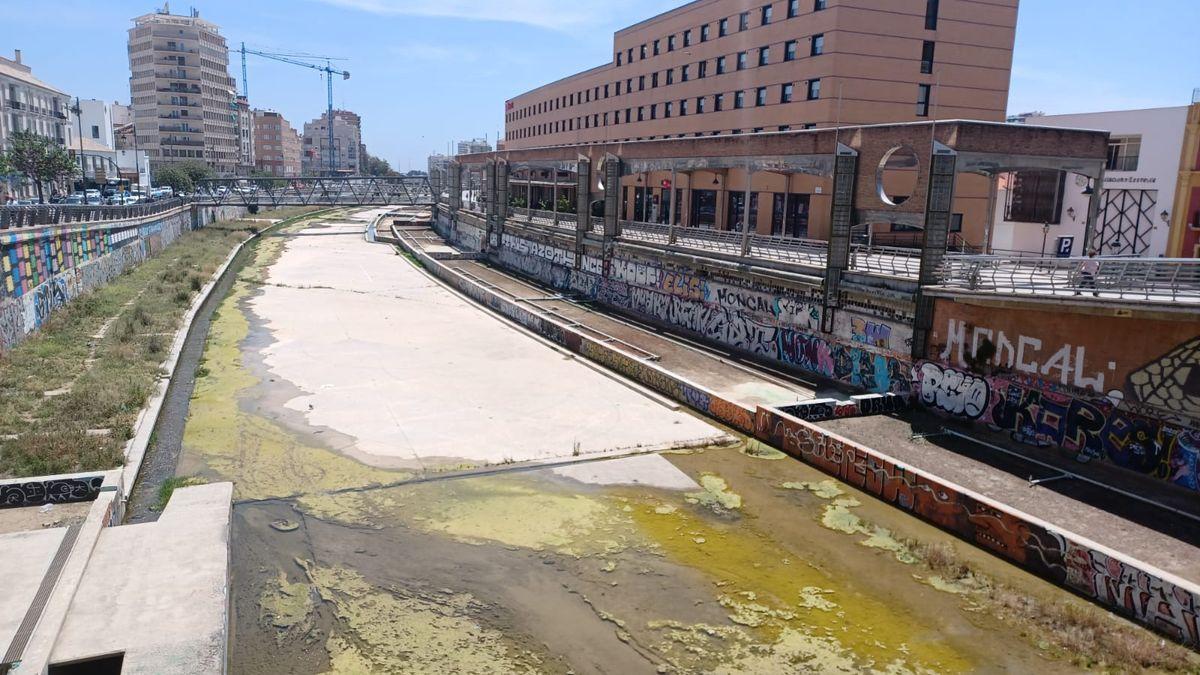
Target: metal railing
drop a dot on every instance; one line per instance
(1175, 279)
(35, 215)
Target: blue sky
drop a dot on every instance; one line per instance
(424, 72)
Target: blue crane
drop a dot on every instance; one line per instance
(326, 69)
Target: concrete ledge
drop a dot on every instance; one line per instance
(1113, 580)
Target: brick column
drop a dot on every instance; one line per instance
(933, 245)
(455, 186)
(583, 199)
(837, 257)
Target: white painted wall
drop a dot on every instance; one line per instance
(1161, 130)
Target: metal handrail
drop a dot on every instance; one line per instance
(1114, 277)
(37, 215)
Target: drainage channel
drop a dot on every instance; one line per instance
(162, 455)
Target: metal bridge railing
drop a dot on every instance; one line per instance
(35, 215)
(1174, 279)
(891, 260)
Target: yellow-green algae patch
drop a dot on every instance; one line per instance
(392, 631)
(262, 458)
(825, 489)
(716, 495)
(285, 605)
(782, 619)
(510, 510)
(757, 450)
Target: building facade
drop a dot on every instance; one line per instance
(347, 145)
(29, 105)
(276, 144)
(96, 122)
(742, 66)
(245, 131)
(182, 97)
(473, 146)
(1046, 213)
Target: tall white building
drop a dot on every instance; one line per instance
(28, 104)
(347, 145)
(473, 146)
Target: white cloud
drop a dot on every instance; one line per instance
(549, 14)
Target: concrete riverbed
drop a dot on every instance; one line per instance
(421, 487)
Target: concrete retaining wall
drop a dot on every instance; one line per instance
(42, 269)
(1141, 592)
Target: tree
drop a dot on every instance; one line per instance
(175, 177)
(39, 159)
(376, 166)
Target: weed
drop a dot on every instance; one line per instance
(181, 297)
(155, 345)
(141, 316)
(169, 486)
(66, 451)
(196, 283)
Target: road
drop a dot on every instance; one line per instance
(423, 487)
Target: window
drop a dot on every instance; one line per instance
(670, 43)
(653, 111)
(606, 91)
(683, 73)
(723, 28)
(922, 100)
(618, 58)
(760, 97)
(814, 89)
(739, 100)
(628, 112)
(667, 110)
(656, 47)
(699, 105)
(605, 119)
(789, 50)
(95, 131)
(718, 102)
(741, 61)
(702, 69)
(683, 108)
(1123, 153)
(766, 15)
(704, 31)
(641, 82)
(818, 45)
(931, 14)
(927, 56)
(642, 52)
(818, 5)
(785, 127)
(670, 76)
(744, 21)
(764, 55)
(1035, 196)
(793, 8)
(629, 55)
(720, 65)
(641, 113)
(785, 92)
(618, 87)
(687, 38)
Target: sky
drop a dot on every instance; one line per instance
(426, 72)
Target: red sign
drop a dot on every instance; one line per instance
(666, 184)
(508, 105)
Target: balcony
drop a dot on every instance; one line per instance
(179, 90)
(181, 128)
(177, 75)
(180, 141)
(15, 105)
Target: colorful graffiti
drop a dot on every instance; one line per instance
(44, 269)
(1096, 427)
(1053, 555)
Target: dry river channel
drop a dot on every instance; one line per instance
(421, 487)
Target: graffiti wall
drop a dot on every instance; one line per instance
(1147, 596)
(43, 269)
(60, 490)
(766, 321)
(1119, 389)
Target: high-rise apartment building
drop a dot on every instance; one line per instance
(245, 131)
(276, 144)
(473, 146)
(347, 145)
(182, 96)
(744, 66)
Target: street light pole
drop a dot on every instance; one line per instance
(79, 125)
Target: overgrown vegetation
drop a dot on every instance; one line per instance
(169, 486)
(1073, 629)
(70, 394)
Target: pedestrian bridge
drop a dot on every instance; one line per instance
(312, 191)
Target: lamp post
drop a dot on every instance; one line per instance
(78, 110)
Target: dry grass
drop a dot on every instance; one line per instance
(1077, 630)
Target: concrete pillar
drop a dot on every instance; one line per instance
(583, 198)
(501, 199)
(746, 212)
(1093, 216)
(933, 245)
(529, 195)
(612, 196)
(671, 208)
(490, 207)
(455, 186)
(990, 221)
(837, 257)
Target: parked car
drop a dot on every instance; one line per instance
(74, 199)
(94, 200)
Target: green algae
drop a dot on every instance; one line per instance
(392, 630)
(759, 450)
(838, 517)
(262, 458)
(781, 618)
(716, 495)
(825, 489)
(883, 539)
(286, 605)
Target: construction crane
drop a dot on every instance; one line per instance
(328, 71)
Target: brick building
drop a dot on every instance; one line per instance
(276, 144)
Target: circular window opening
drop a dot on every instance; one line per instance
(897, 176)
